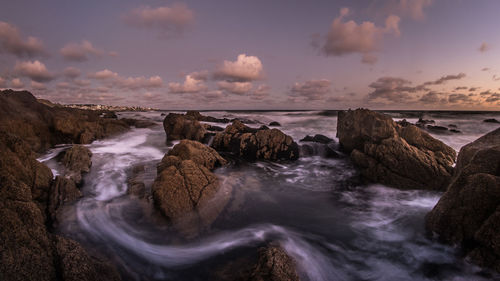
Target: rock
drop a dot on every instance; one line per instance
(136, 185)
(213, 128)
(317, 138)
(77, 161)
(199, 117)
(468, 213)
(138, 123)
(185, 191)
(402, 157)
(436, 128)
(491, 120)
(199, 153)
(163, 114)
(76, 264)
(178, 127)
(27, 249)
(275, 124)
(63, 191)
(275, 265)
(109, 114)
(403, 123)
(455, 131)
(252, 144)
(422, 122)
(43, 126)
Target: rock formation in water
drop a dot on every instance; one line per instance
(186, 191)
(29, 251)
(388, 153)
(42, 126)
(252, 144)
(468, 214)
(77, 161)
(180, 126)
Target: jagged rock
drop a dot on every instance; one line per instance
(252, 144)
(491, 120)
(77, 161)
(178, 127)
(317, 138)
(27, 249)
(186, 191)
(403, 157)
(275, 124)
(213, 128)
(468, 214)
(42, 126)
(62, 191)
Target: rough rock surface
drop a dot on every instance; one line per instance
(28, 250)
(43, 126)
(400, 156)
(179, 126)
(186, 191)
(77, 161)
(252, 144)
(62, 191)
(468, 214)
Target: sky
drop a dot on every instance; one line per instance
(259, 54)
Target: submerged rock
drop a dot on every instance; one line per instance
(252, 144)
(468, 214)
(317, 138)
(186, 191)
(275, 124)
(403, 157)
(491, 120)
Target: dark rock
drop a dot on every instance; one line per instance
(199, 117)
(109, 114)
(77, 161)
(404, 123)
(178, 127)
(422, 122)
(185, 191)
(455, 131)
(403, 157)
(136, 185)
(491, 120)
(213, 128)
(468, 213)
(163, 114)
(436, 128)
(138, 123)
(63, 191)
(252, 144)
(275, 265)
(317, 138)
(275, 124)
(42, 126)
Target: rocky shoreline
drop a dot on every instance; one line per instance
(190, 197)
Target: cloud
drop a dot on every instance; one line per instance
(16, 83)
(34, 70)
(350, 37)
(311, 90)
(244, 69)
(191, 85)
(3, 83)
(261, 92)
(459, 98)
(496, 78)
(473, 89)
(103, 74)
(445, 78)
(485, 69)
(495, 97)
(460, 88)
(414, 8)
(113, 79)
(170, 21)
(72, 72)
(484, 47)
(238, 88)
(391, 89)
(12, 43)
(38, 86)
(431, 98)
(79, 52)
(82, 83)
(369, 59)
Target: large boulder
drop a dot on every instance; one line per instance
(77, 161)
(252, 144)
(179, 126)
(27, 249)
(468, 214)
(400, 156)
(185, 191)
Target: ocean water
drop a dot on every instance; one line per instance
(317, 209)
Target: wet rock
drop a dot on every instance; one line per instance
(436, 128)
(77, 161)
(317, 138)
(491, 120)
(63, 191)
(199, 117)
(274, 264)
(423, 122)
(403, 157)
(138, 123)
(163, 114)
(455, 131)
(179, 126)
(404, 123)
(252, 144)
(213, 128)
(468, 213)
(185, 191)
(136, 186)
(275, 124)
(109, 114)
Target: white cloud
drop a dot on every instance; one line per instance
(190, 85)
(82, 51)
(244, 69)
(38, 86)
(16, 83)
(113, 79)
(72, 72)
(35, 70)
(238, 88)
(414, 8)
(103, 74)
(11, 42)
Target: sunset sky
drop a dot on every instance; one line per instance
(259, 54)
